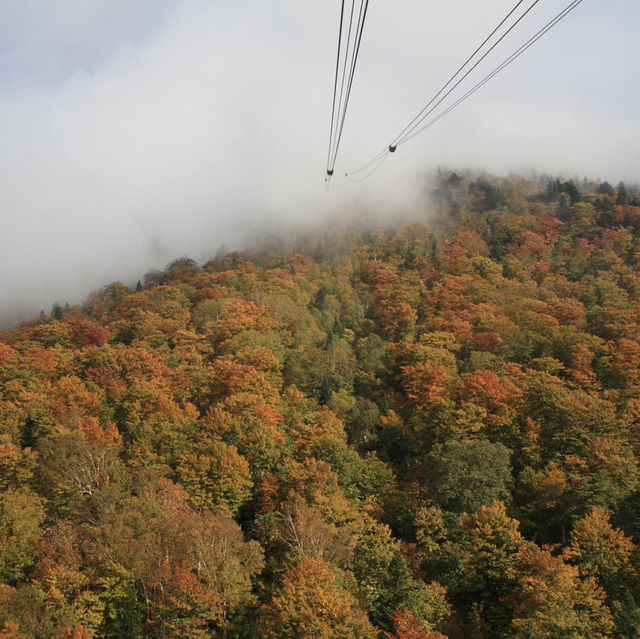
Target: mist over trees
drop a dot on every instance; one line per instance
(405, 431)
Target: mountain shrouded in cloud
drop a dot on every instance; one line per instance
(136, 132)
(421, 430)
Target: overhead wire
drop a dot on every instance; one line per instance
(435, 97)
(410, 133)
(459, 71)
(426, 110)
(342, 84)
(376, 165)
(350, 61)
(512, 58)
(335, 85)
(383, 153)
(361, 20)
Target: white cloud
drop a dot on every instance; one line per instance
(188, 122)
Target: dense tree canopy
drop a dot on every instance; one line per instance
(402, 431)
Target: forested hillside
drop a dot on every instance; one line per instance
(406, 431)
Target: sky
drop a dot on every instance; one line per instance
(134, 133)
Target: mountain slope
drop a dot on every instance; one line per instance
(419, 429)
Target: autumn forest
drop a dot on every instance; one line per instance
(386, 430)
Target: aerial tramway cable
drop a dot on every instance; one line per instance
(430, 106)
(361, 19)
(393, 145)
(353, 53)
(391, 148)
(512, 58)
(333, 151)
(335, 88)
(426, 112)
(414, 128)
(349, 57)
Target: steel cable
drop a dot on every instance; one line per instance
(426, 110)
(512, 58)
(351, 54)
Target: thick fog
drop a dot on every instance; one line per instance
(133, 133)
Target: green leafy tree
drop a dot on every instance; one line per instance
(489, 562)
(22, 514)
(469, 474)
